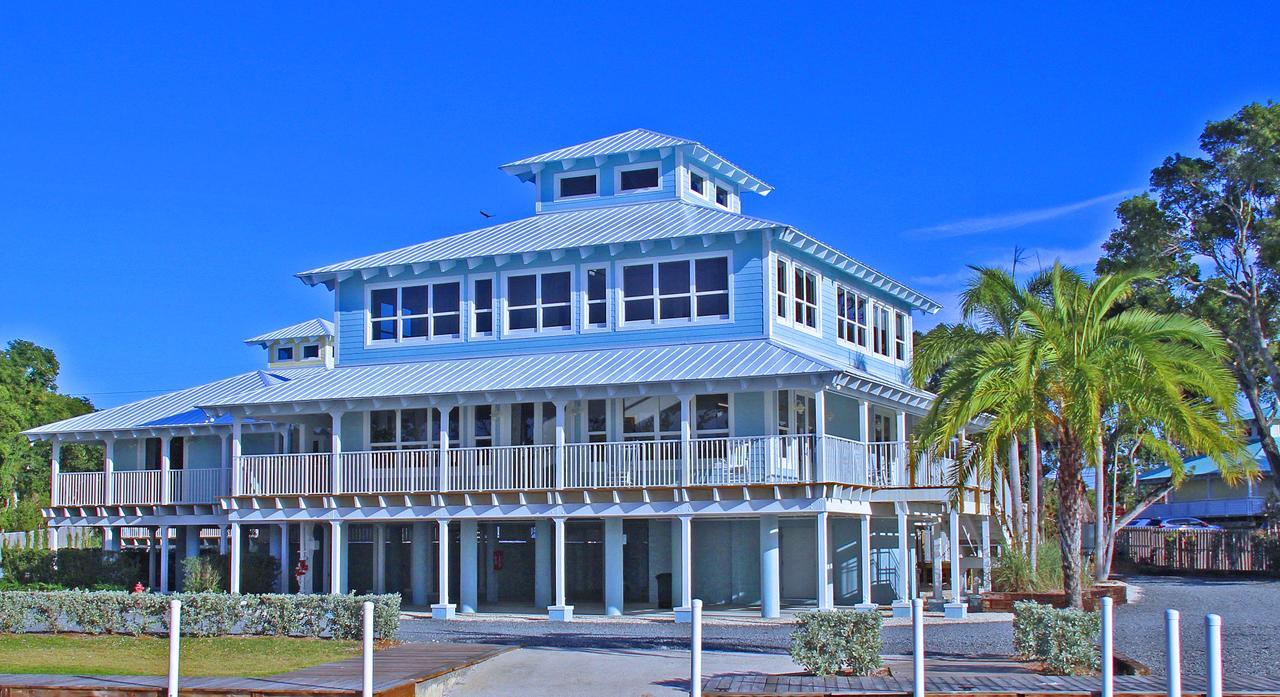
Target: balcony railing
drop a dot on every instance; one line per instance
(288, 475)
(141, 487)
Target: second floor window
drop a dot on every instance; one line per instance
(423, 311)
(482, 307)
(797, 295)
(881, 331)
(409, 429)
(539, 301)
(900, 336)
(851, 317)
(688, 290)
(598, 297)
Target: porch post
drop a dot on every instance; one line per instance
(166, 492)
(109, 469)
(864, 564)
(613, 582)
(335, 462)
(224, 539)
(826, 593)
(55, 469)
(902, 604)
(164, 558)
(864, 421)
(956, 608)
(237, 472)
(986, 553)
(819, 473)
(419, 557)
(443, 609)
(559, 445)
(285, 571)
(235, 558)
(467, 566)
(542, 563)
(902, 468)
(227, 466)
(379, 558)
(770, 591)
(682, 568)
(337, 557)
(110, 541)
(443, 435)
(686, 440)
(288, 439)
(561, 611)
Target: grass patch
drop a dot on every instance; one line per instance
(250, 657)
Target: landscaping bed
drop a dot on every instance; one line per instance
(1003, 601)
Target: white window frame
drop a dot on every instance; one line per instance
(585, 302)
(852, 322)
(790, 319)
(471, 306)
(874, 323)
(728, 204)
(505, 304)
(657, 321)
(617, 177)
(319, 352)
(706, 183)
(370, 342)
(900, 341)
(555, 184)
(293, 354)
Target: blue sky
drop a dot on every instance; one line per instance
(165, 172)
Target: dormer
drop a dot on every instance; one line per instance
(300, 345)
(637, 166)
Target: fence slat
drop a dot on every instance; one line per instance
(1199, 550)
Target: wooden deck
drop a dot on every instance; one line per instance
(971, 686)
(396, 673)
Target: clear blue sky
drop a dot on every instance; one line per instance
(165, 171)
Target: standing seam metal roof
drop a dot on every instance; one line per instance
(629, 141)
(301, 330)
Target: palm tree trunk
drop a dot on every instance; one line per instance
(1070, 498)
(1015, 493)
(1033, 495)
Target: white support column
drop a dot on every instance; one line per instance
(864, 421)
(682, 568)
(770, 576)
(164, 558)
(288, 439)
(110, 541)
(335, 448)
(864, 564)
(237, 447)
(55, 469)
(955, 609)
(443, 609)
(379, 558)
(166, 450)
(561, 611)
(901, 468)
(906, 569)
(109, 469)
(825, 591)
(235, 557)
(559, 445)
(337, 557)
(224, 539)
(286, 571)
(819, 473)
(542, 596)
(191, 541)
(986, 553)
(224, 455)
(935, 538)
(613, 579)
(468, 592)
(686, 439)
(446, 412)
(419, 559)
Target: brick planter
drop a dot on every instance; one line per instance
(1003, 602)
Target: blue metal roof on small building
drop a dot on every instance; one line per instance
(621, 366)
(310, 329)
(1204, 466)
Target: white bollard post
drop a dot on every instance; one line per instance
(1173, 666)
(917, 647)
(1108, 650)
(366, 688)
(695, 650)
(175, 639)
(1213, 654)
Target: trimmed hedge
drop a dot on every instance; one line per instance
(203, 614)
(828, 642)
(1063, 639)
(69, 568)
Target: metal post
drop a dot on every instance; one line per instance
(175, 639)
(1173, 665)
(1213, 655)
(917, 647)
(1108, 658)
(55, 462)
(695, 650)
(335, 452)
(366, 684)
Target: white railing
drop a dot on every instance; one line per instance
(135, 487)
(390, 471)
(882, 462)
(285, 475)
(197, 485)
(751, 460)
(626, 464)
(845, 461)
(931, 469)
(81, 489)
(502, 468)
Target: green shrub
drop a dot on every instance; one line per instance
(37, 569)
(1012, 572)
(829, 642)
(1063, 639)
(203, 574)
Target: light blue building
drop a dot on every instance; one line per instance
(637, 395)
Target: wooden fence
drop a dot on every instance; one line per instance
(1240, 551)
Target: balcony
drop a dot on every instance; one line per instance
(736, 461)
(141, 488)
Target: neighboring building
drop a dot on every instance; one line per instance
(639, 393)
(1204, 494)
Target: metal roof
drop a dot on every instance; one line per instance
(1203, 465)
(638, 140)
(312, 328)
(620, 366)
(566, 230)
(172, 409)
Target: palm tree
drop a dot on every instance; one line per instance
(1073, 358)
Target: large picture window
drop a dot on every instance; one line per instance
(651, 418)
(408, 429)
(539, 302)
(851, 316)
(681, 290)
(420, 311)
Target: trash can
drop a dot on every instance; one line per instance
(664, 590)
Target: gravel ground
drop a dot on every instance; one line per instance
(1250, 613)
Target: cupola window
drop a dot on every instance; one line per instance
(576, 185)
(641, 178)
(722, 196)
(310, 352)
(697, 183)
(284, 353)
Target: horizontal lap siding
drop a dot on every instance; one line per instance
(604, 185)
